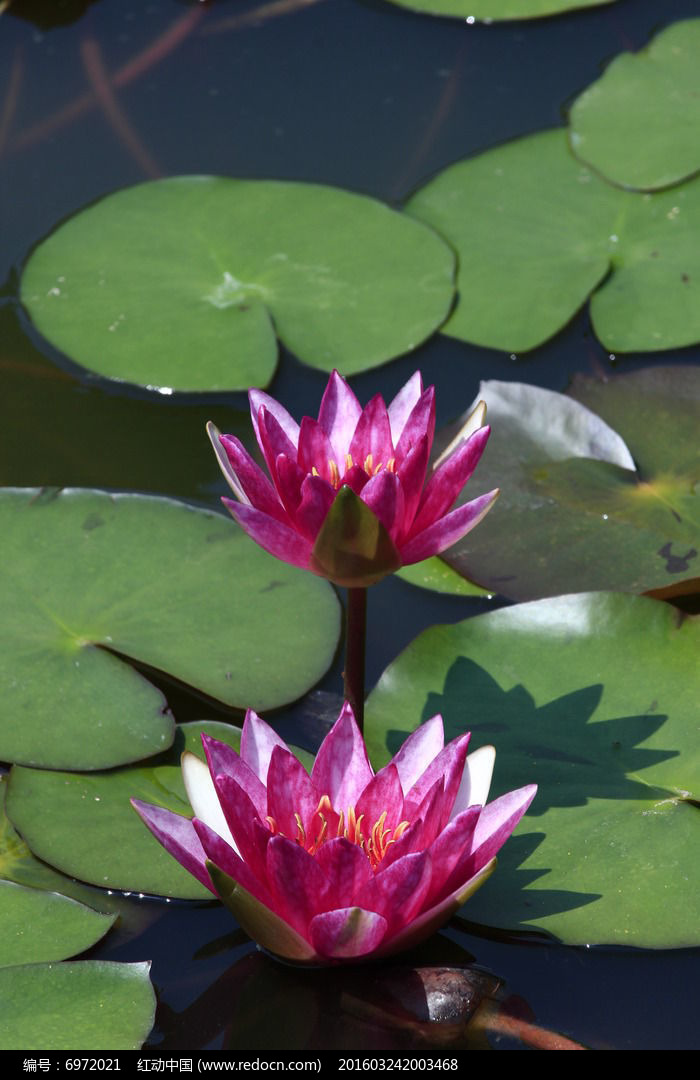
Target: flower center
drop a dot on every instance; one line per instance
(369, 467)
(327, 823)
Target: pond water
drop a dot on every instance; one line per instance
(368, 97)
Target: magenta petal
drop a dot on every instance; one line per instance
(403, 404)
(288, 479)
(297, 883)
(384, 496)
(315, 450)
(347, 933)
(420, 422)
(338, 416)
(258, 740)
(449, 764)
(419, 749)
(273, 440)
(424, 827)
(251, 837)
(258, 398)
(219, 852)
(372, 435)
(383, 793)
(290, 792)
(342, 769)
(448, 530)
(346, 867)
(398, 892)
(449, 847)
(271, 534)
(178, 836)
(256, 487)
(355, 478)
(447, 481)
(224, 761)
(317, 497)
(411, 473)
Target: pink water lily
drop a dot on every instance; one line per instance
(345, 863)
(347, 495)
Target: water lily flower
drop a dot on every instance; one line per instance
(345, 863)
(347, 496)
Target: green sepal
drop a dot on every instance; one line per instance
(353, 548)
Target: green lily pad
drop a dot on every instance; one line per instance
(437, 575)
(184, 284)
(116, 850)
(84, 1006)
(594, 698)
(40, 926)
(578, 509)
(536, 232)
(639, 125)
(496, 10)
(90, 578)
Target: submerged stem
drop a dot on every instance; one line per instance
(355, 634)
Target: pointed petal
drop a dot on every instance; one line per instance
(315, 450)
(420, 422)
(224, 463)
(258, 398)
(383, 793)
(448, 530)
(258, 740)
(411, 473)
(476, 780)
(425, 826)
(290, 792)
(342, 769)
(203, 797)
(288, 480)
(419, 749)
(178, 836)
(250, 835)
(372, 435)
(224, 761)
(448, 764)
(346, 868)
(338, 416)
(273, 440)
(475, 420)
(261, 922)
(433, 918)
(398, 892)
(219, 852)
(355, 478)
(403, 404)
(256, 488)
(317, 497)
(271, 535)
(447, 481)
(347, 933)
(449, 847)
(384, 496)
(296, 882)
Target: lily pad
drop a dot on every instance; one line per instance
(496, 10)
(594, 698)
(184, 284)
(580, 507)
(536, 232)
(79, 1006)
(639, 125)
(436, 575)
(116, 850)
(90, 578)
(40, 926)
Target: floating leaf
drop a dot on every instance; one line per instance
(40, 926)
(536, 232)
(84, 1006)
(435, 574)
(86, 576)
(176, 284)
(639, 125)
(116, 850)
(594, 698)
(496, 10)
(574, 513)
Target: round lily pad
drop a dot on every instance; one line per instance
(116, 850)
(594, 698)
(84, 1006)
(496, 10)
(536, 232)
(639, 125)
(184, 284)
(89, 579)
(40, 926)
(582, 508)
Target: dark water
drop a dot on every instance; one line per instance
(369, 97)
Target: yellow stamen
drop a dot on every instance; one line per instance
(348, 462)
(391, 465)
(273, 825)
(314, 470)
(335, 474)
(368, 465)
(301, 834)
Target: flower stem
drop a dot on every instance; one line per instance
(355, 634)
